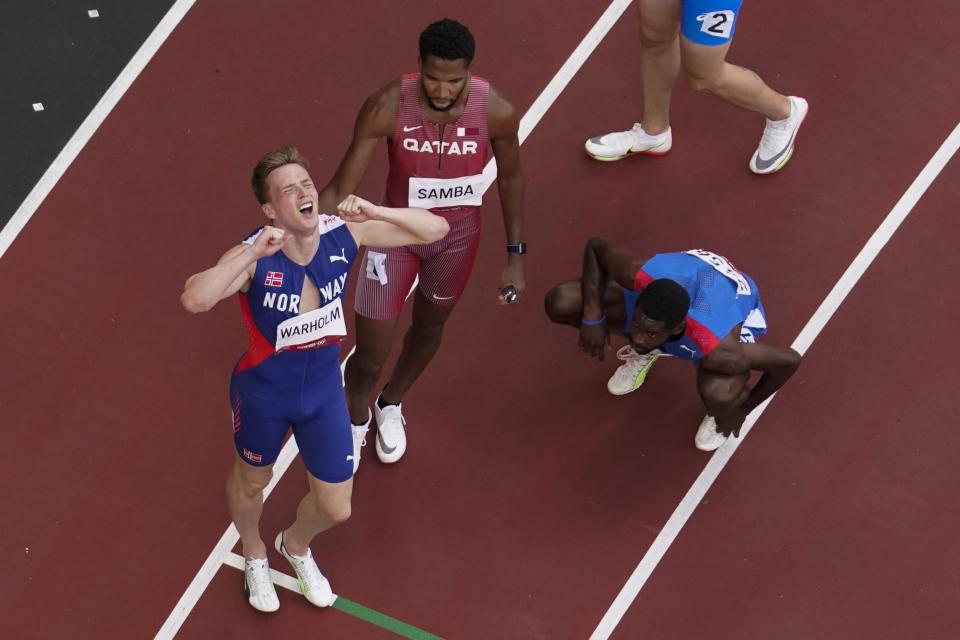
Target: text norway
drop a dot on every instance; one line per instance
(291, 302)
(309, 327)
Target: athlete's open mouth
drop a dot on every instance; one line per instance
(306, 208)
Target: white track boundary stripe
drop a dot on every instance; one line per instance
(806, 337)
(563, 77)
(91, 123)
(530, 119)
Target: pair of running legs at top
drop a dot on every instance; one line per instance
(674, 37)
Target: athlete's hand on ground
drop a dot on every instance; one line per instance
(512, 277)
(731, 423)
(270, 241)
(594, 339)
(356, 209)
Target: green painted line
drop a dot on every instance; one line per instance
(381, 620)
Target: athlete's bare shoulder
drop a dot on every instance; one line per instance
(378, 115)
(502, 116)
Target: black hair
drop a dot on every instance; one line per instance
(448, 40)
(663, 300)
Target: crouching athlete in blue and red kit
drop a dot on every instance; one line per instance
(291, 277)
(694, 305)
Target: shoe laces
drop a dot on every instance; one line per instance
(632, 361)
(258, 575)
(773, 136)
(394, 419)
(625, 137)
(307, 570)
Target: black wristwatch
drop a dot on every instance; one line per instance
(520, 248)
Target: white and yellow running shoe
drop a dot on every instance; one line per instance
(630, 375)
(776, 145)
(636, 141)
(313, 584)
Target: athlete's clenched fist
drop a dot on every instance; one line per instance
(269, 241)
(356, 209)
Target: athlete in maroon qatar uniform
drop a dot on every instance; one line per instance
(441, 125)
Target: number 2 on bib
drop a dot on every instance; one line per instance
(717, 23)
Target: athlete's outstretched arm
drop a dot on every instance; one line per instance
(505, 142)
(374, 121)
(231, 273)
(377, 226)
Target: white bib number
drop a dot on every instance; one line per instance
(716, 23)
(432, 193)
(312, 327)
(726, 269)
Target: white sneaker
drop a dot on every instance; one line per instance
(313, 585)
(708, 438)
(631, 374)
(360, 440)
(620, 144)
(258, 587)
(391, 436)
(776, 145)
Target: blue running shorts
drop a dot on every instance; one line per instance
(302, 390)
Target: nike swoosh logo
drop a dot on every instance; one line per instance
(383, 445)
(409, 129)
(766, 164)
(436, 297)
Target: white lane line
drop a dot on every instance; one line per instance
(79, 140)
(806, 337)
(530, 119)
(563, 77)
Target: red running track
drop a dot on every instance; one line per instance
(528, 494)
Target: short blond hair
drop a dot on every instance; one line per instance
(270, 162)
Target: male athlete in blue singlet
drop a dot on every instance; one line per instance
(693, 305)
(290, 276)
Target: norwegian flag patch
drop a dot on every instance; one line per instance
(274, 279)
(251, 456)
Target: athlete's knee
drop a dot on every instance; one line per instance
(363, 365)
(707, 80)
(424, 330)
(337, 511)
(723, 394)
(654, 39)
(562, 302)
(249, 482)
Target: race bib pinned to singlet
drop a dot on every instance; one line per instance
(726, 269)
(312, 329)
(432, 193)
